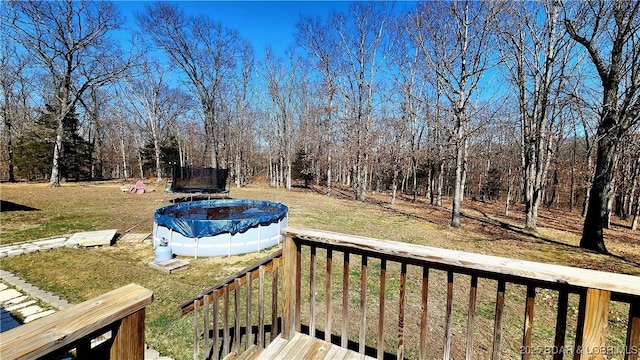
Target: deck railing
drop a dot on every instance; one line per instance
(110, 326)
(394, 299)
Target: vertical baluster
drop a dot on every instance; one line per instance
(298, 323)
(249, 338)
(328, 297)
(561, 324)
(345, 301)
(403, 286)
(216, 327)
(528, 322)
(383, 289)
(363, 304)
(236, 342)
(448, 316)
(312, 292)
(205, 313)
(497, 325)
(261, 307)
(274, 298)
(633, 332)
(471, 315)
(424, 326)
(577, 344)
(225, 320)
(196, 336)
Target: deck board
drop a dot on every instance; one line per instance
(303, 346)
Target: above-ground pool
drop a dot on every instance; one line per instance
(219, 227)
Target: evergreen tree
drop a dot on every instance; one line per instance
(34, 149)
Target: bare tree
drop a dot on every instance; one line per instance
(362, 53)
(610, 33)
(71, 40)
(535, 53)
(155, 105)
(206, 52)
(14, 94)
(457, 44)
(315, 38)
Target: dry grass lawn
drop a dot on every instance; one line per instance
(79, 274)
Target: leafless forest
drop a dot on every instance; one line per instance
(536, 103)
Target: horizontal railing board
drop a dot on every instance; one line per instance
(486, 264)
(51, 333)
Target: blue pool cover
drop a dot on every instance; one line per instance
(197, 219)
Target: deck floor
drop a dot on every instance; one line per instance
(301, 346)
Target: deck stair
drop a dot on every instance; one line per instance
(301, 346)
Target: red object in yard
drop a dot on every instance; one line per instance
(138, 189)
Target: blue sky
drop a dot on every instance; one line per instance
(261, 22)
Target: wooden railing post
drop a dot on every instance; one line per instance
(594, 328)
(129, 339)
(289, 299)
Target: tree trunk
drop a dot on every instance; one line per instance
(329, 180)
(596, 217)
(458, 186)
(57, 155)
(636, 215)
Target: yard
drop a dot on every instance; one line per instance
(80, 274)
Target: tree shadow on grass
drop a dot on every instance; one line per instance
(11, 206)
(521, 231)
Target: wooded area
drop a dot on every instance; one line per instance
(536, 103)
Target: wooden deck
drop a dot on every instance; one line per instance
(301, 346)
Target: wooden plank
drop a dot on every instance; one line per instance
(298, 288)
(595, 323)
(170, 266)
(39, 338)
(401, 308)
(312, 292)
(205, 313)
(633, 332)
(248, 322)
(471, 315)
(318, 350)
(561, 324)
(128, 339)
(225, 321)
(528, 322)
(345, 301)
(328, 299)
(497, 325)
(216, 326)
(289, 257)
(236, 317)
(505, 267)
(381, 300)
(363, 305)
(261, 308)
(424, 325)
(448, 317)
(133, 238)
(196, 335)
(274, 348)
(92, 238)
(274, 299)
(577, 344)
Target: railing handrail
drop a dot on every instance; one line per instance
(74, 324)
(187, 305)
(473, 263)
